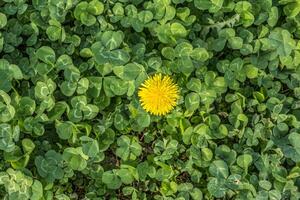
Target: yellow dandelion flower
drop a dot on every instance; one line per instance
(158, 94)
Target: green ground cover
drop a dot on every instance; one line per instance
(72, 125)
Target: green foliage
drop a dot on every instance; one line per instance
(128, 148)
(75, 158)
(86, 11)
(20, 186)
(7, 137)
(50, 166)
(8, 73)
(72, 126)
